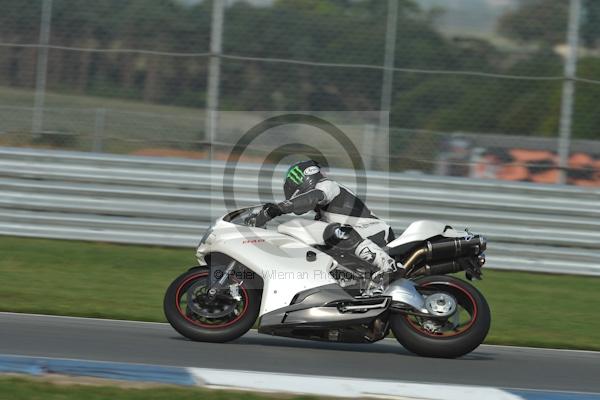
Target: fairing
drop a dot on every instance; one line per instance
(307, 231)
(280, 260)
(422, 230)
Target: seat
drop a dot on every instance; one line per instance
(403, 249)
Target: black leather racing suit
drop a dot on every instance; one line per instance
(349, 224)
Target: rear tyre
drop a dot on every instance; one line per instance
(193, 314)
(448, 340)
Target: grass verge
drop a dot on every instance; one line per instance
(18, 388)
(128, 282)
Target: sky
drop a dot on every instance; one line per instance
(461, 17)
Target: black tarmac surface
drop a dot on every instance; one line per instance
(154, 343)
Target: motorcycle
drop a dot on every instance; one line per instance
(295, 285)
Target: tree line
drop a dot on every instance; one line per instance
(331, 31)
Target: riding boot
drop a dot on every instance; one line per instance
(372, 253)
(346, 238)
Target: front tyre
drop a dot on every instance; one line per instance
(200, 317)
(458, 335)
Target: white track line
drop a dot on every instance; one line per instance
(344, 387)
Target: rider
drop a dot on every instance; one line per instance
(351, 225)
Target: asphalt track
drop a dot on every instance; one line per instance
(154, 343)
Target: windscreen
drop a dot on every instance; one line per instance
(239, 217)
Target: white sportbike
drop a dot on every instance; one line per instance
(295, 285)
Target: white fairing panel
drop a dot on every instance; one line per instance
(422, 230)
(307, 231)
(278, 259)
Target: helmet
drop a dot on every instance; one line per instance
(301, 177)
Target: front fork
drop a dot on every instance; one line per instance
(218, 279)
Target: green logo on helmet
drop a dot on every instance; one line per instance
(296, 175)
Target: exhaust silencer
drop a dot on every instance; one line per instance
(449, 267)
(455, 248)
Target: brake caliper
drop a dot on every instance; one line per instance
(234, 291)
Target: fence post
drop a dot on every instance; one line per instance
(568, 91)
(368, 147)
(97, 145)
(214, 72)
(42, 66)
(388, 65)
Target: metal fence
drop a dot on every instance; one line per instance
(138, 76)
(72, 195)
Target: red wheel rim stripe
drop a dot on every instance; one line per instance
(245, 293)
(473, 317)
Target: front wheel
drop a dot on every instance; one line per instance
(452, 337)
(199, 316)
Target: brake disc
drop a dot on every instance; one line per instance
(199, 303)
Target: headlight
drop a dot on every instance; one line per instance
(481, 259)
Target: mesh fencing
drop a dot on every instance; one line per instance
(479, 97)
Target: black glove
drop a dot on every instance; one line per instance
(259, 219)
(272, 210)
(267, 213)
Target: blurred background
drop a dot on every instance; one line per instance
(116, 117)
(479, 113)
(500, 89)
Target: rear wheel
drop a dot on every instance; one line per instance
(453, 336)
(199, 315)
